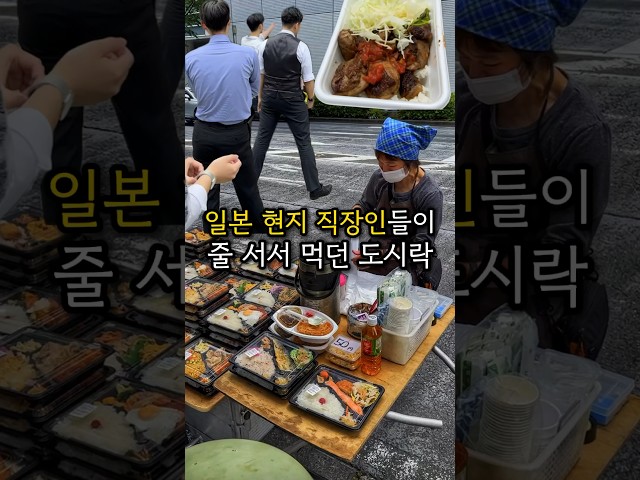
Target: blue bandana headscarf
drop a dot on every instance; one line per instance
(402, 140)
(523, 24)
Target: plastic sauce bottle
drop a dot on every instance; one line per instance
(371, 347)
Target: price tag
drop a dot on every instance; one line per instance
(187, 354)
(220, 311)
(83, 410)
(252, 352)
(313, 389)
(169, 363)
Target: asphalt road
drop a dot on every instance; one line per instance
(345, 159)
(601, 51)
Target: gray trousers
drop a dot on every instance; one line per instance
(292, 107)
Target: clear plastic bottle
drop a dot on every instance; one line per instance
(371, 347)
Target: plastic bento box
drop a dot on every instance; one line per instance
(26, 235)
(190, 334)
(253, 268)
(14, 464)
(31, 307)
(338, 397)
(166, 372)
(289, 273)
(198, 316)
(435, 83)
(197, 238)
(615, 390)
(133, 347)
(31, 421)
(39, 364)
(204, 363)
(239, 319)
(200, 293)
(238, 286)
(272, 294)
(273, 363)
(124, 427)
(200, 269)
(39, 411)
(158, 304)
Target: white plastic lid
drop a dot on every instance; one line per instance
(372, 320)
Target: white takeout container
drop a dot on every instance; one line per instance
(316, 348)
(436, 84)
(316, 339)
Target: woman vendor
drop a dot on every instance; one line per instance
(401, 183)
(516, 110)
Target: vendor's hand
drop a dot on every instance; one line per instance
(357, 256)
(225, 168)
(192, 168)
(18, 71)
(96, 70)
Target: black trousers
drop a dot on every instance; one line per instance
(49, 28)
(213, 140)
(291, 106)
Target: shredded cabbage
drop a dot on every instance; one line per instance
(365, 16)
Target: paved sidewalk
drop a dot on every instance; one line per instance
(601, 50)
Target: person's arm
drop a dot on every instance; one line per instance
(304, 57)
(47, 100)
(254, 80)
(260, 91)
(309, 90)
(268, 31)
(195, 203)
(590, 148)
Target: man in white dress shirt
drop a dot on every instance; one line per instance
(258, 34)
(283, 60)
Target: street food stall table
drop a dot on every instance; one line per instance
(316, 431)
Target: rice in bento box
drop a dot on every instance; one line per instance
(324, 402)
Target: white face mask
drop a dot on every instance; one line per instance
(497, 88)
(395, 176)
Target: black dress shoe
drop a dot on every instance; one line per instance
(323, 191)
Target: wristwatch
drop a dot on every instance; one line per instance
(56, 81)
(208, 174)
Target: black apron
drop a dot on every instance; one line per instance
(386, 203)
(580, 333)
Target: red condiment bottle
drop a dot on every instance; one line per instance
(371, 347)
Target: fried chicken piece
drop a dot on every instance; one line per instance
(388, 86)
(422, 32)
(348, 43)
(410, 86)
(348, 79)
(10, 231)
(417, 55)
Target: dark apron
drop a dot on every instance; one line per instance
(579, 333)
(387, 204)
